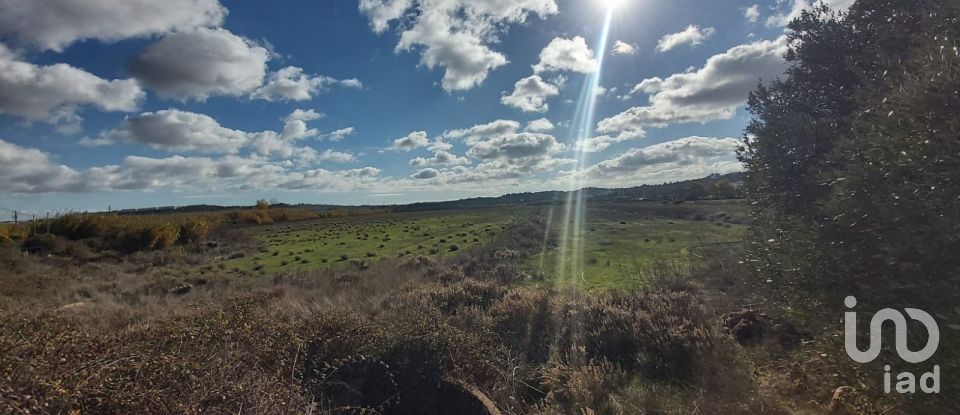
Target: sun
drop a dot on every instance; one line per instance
(612, 4)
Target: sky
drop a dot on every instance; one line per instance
(138, 103)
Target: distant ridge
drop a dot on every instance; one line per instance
(709, 187)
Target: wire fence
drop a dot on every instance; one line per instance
(8, 215)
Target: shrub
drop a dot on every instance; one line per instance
(196, 229)
(163, 236)
(43, 244)
(590, 386)
(12, 233)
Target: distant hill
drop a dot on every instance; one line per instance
(715, 186)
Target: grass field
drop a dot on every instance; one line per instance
(616, 253)
(362, 241)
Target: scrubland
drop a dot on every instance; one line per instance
(86, 329)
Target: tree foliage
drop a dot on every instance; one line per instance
(852, 156)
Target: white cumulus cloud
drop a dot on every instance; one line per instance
(55, 24)
(752, 13)
(708, 93)
(680, 159)
(176, 130)
(338, 135)
(292, 84)
(55, 93)
(455, 35)
(566, 55)
(337, 156)
(200, 63)
(623, 48)
(692, 35)
(413, 140)
(541, 125)
(530, 94)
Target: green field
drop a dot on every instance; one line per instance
(616, 253)
(361, 241)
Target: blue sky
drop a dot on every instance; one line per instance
(134, 103)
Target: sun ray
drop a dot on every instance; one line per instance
(570, 249)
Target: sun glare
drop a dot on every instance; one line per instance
(612, 4)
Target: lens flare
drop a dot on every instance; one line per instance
(570, 254)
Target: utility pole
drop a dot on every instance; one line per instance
(16, 220)
(48, 222)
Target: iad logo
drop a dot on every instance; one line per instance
(906, 381)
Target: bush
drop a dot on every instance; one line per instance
(12, 233)
(43, 244)
(196, 229)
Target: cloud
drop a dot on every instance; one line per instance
(541, 125)
(482, 132)
(95, 142)
(454, 34)
(291, 84)
(681, 159)
(692, 35)
(440, 158)
(711, 92)
(427, 173)
(298, 130)
(503, 153)
(530, 95)
(283, 146)
(516, 146)
(623, 48)
(55, 24)
(295, 124)
(27, 170)
(595, 144)
(783, 18)
(381, 12)
(566, 55)
(337, 156)
(200, 63)
(55, 93)
(272, 146)
(338, 135)
(304, 115)
(752, 13)
(175, 130)
(439, 145)
(413, 140)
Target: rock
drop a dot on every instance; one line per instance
(181, 289)
(752, 327)
(747, 326)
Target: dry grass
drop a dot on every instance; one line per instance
(406, 335)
